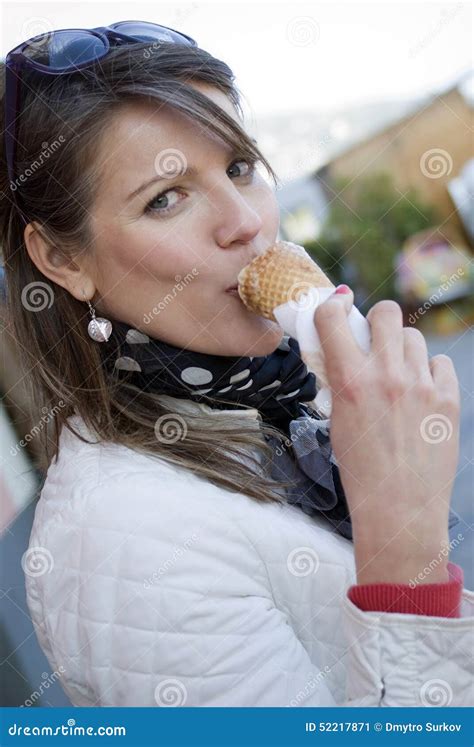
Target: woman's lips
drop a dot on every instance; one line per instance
(232, 289)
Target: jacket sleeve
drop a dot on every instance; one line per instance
(397, 659)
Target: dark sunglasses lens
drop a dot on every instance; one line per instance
(65, 49)
(150, 32)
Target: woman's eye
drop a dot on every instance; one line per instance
(247, 169)
(163, 202)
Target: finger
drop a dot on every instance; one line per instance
(415, 354)
(342, 355)
(445, 379)
(386, 323)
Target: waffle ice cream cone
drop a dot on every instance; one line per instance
(285, 285)
(281, 274)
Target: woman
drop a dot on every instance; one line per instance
(192, 543)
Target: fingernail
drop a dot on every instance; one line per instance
(342, 289)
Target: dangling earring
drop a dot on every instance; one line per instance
(99, 329)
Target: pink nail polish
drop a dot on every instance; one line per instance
(342, 289)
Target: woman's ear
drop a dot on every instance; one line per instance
(57, 266)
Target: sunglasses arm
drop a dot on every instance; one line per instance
(13, 68)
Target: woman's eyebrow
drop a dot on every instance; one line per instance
(188, 171)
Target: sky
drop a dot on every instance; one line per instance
(292, 56)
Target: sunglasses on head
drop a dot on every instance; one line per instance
(65, 51)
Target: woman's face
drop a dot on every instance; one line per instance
(166, 249)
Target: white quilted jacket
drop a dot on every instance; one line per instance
(149, 586)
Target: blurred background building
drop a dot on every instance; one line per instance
(392, 196)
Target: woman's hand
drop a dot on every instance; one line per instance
(395, 435)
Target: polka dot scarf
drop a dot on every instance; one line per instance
(274, 384)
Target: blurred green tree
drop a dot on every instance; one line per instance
(365, 229)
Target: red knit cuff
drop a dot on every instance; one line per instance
(438, 600)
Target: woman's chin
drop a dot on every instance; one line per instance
(265, 341)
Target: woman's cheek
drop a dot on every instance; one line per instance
(268, 209)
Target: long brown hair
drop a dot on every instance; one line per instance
(60, 128)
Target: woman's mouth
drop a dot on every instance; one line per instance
(233, 290)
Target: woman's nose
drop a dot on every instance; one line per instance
(238, 219)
